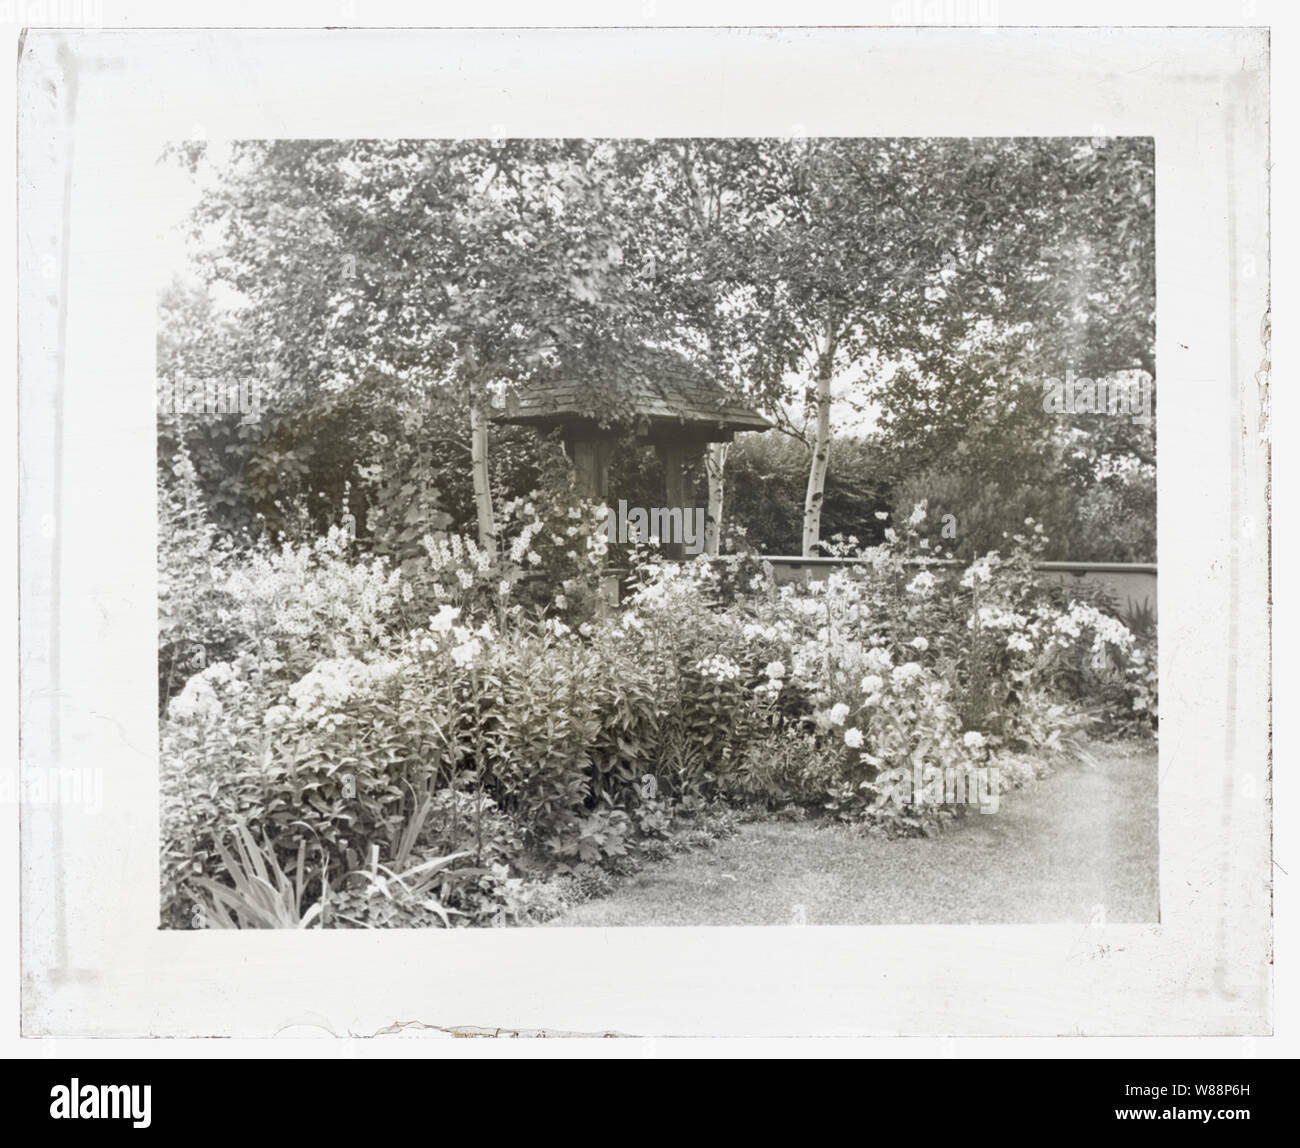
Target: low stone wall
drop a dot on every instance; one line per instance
(1131, 584)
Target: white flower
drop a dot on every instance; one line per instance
(718, 667)
(882, 515)
(995, 618)
(197, 699)
(772, 687)
(446, 615)
(219, 674)
(503, 588)
(465, 578)
(276, 716)
(534, 558)
(923, 583)
(327, 687)
(775, 669)
(561, 602)
(465, 653)
(973, 739)
(873, 684)
(907, 673)
(981, 570)
(919, 643)
(839, 712)
(1020, 642)
(853, 738)
(586, 630)
(918, 513)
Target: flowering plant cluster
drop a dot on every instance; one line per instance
(433, 743)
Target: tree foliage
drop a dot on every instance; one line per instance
(387, 291)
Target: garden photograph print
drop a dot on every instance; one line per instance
(658, 532)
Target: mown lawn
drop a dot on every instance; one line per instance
(1053, 852)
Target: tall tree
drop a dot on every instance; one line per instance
(1050, 268)
(713, 204)
(839, 276)
(439, 264)
(947, 270)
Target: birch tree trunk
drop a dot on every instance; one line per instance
(478, 451)
(812, 506)
(715, 454)
(478, 462)
(715, 462)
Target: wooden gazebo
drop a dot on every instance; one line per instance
(677, 412)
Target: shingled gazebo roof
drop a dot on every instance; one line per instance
(675, 399)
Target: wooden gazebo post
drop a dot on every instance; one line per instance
(589, 450)
(678, 452)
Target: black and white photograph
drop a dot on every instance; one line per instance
(659, 532)
(730, 534)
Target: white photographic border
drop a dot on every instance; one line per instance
(94, 961)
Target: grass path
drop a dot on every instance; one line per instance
(1059, 847)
